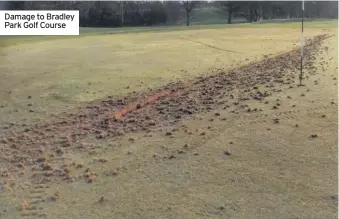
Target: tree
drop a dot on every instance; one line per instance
(189, 6)
(15, 5)
(141, 13)
(122, 13)
(232, 7)
(173, 11)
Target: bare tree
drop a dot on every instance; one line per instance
(140, 13)
(122, 12)
(250, 11)
(173, 9)
(189, 6)
(232, 7)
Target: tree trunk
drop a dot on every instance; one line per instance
(256, 15)
(229, 20)
(122, 13)
(187, 18)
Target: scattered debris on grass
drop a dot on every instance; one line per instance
(171, 156)
(314, 135)
(172, 102)
(227, 153)
(102, 199)
(24, 205)
(56, 196)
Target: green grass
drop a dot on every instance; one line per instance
(14, 40)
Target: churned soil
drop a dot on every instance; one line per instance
(115, 116)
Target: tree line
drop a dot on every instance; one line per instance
(149, 13)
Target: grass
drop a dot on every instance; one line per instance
(62, 73)
(196, 25)
(273, 171)
(266, 171)
(270, 166)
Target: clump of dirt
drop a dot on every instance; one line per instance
(135, 112)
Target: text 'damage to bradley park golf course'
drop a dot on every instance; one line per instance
(39, 23)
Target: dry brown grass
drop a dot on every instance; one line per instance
(271, 170)
(46, 77)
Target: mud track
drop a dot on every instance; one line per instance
(152, 109)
